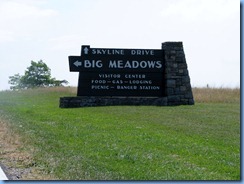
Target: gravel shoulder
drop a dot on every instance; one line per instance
(15, 160)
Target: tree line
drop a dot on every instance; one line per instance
(36, 75)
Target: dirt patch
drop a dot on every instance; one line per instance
(16, 158)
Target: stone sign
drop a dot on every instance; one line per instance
(131, 77)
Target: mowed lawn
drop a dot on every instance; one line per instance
(198, 142)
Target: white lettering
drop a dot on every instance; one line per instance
(98, 81)
(159, 64)
(108, 51)
(140, 82)
(149, 87)
(133, 52)
(142, 52)
(87, 64)
(134, 64)
(127, 87)
(127, 65)
(117, 81)
(143, 64)
(93, 64)
(112, 64)
(99, 87)
(109, 76)
(151, 64)
(135, 76)
(104, 51)
(99, 51)
(120, 64)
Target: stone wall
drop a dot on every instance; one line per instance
(177, 89)
(67, 102)
(177, 81)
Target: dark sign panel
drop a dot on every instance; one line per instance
(119, 72)
(94, 59)
(120, 84)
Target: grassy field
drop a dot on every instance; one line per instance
(199, 142)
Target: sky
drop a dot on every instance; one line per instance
(52, 30)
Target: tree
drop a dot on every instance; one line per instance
(16, 81)
(36, 75)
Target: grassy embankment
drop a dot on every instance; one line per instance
(200, 142)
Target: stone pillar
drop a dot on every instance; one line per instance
(177, 81)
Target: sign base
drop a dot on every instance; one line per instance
(92, 101)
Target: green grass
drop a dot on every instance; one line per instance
(199, 142)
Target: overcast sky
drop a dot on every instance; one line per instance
(52, 30)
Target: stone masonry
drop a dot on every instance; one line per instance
(177, 81)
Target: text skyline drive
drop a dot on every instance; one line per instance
(95, 59)
(86, 50)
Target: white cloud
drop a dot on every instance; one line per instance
(65, 42)
(6, 36)
(210, 31)
(201, 10)
(20, 19)
(18, 10)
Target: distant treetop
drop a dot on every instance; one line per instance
(36, 75)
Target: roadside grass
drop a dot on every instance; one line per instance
(216, 95)
(199, 142)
